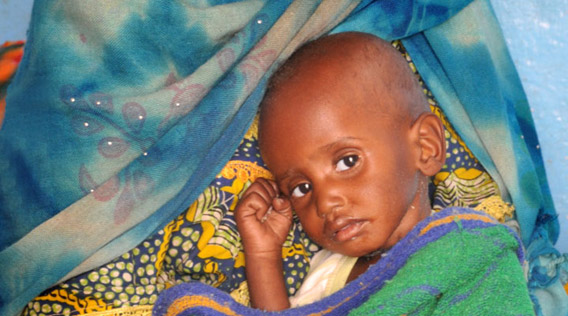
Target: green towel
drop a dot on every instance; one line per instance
(456, 262)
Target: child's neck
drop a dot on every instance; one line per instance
(362, 264)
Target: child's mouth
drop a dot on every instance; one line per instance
(348, 232)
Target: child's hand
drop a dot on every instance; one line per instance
(263, 219)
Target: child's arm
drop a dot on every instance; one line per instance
(263, 220)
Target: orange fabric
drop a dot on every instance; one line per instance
(9, 62)
(2, 110)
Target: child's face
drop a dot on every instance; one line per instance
(348, 171)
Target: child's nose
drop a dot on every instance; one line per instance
(330, 198)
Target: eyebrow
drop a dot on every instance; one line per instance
(327, 147)
(288, 174)
(340, 141)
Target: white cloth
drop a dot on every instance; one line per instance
(328, 273)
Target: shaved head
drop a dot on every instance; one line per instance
(362, 62)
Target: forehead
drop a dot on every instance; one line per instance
(330, 88)
(322, 95)
(323, 82)
(307, 114)
(325, 85)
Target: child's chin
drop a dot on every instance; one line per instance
(353, 253)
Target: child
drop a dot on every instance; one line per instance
(348, 135)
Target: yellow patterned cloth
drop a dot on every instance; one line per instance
(142, 310)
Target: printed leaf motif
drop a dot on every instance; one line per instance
(112, 147)
(124, 205)
(134, 115)
(171, 79)
(211, 205)
(107, 190)
(85, 125)
(102, 101)
(103, 192)
(86, 181)
(153, 156)
(187, 95)
(226, 58)
(183, 102)
(254, 65)
(143, 184)
(250, 73)
(71, 96)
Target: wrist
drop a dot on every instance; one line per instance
(264, 274)
(266, 257)
(262, 249)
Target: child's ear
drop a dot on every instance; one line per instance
(429, 133)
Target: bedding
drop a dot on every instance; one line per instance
(202, 243)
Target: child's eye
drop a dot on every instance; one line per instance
(301, 190)
(346, 162)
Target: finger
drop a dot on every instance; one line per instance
(267, 214)
(282, 206)
(260, 188)
(251, 205)
(270, 187)
(262, 209)
(274, 187)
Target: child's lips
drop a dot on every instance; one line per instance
(348, 230)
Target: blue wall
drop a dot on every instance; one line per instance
(14, 19)
(536, 32)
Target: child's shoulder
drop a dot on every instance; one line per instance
(468, 227)
(458, 261)
(455, 235)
